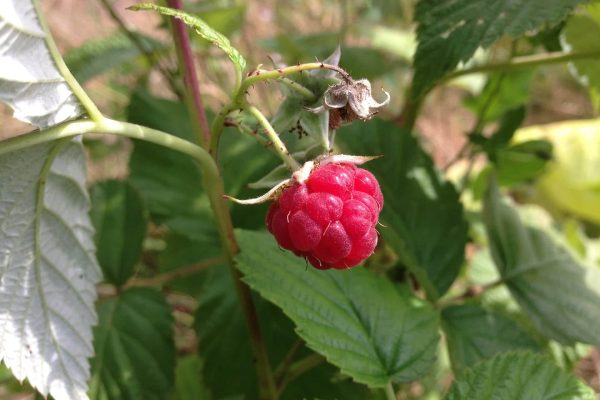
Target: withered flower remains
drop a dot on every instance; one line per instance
(348, 101)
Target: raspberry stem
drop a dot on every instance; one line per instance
(282, 151)
(257, 76)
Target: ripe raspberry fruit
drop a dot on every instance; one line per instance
(330, 218)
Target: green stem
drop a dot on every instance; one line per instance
(150, 55)
(525, 62)
(282, 151)
(298, 88)
(77, 90)
(299, 368)
(389, 392)
(257, 76)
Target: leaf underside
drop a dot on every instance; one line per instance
(48, 269)
(30, 83)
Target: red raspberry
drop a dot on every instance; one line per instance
(329, 219)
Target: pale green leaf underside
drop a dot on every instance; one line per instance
(519, 376)
(450, 31)
(135, 350)
(48, 271)
(202, 28)
(370, 329)
(30, 82)
(561, 296)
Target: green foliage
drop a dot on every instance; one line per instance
(119, 217)
(421, 209)
(474, 335)
(192, 309)
(450, 31)
(559, 295)
(516, 376)
(98, 56)
(202, 29)
(344, 315)
(135, 351)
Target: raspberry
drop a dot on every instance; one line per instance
(330, 218)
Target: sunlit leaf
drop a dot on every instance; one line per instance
(344, 315)
(30, 81)
(47, 267)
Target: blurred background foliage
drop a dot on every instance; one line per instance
(537, 126)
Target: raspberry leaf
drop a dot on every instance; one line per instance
(40, 95)
(422, 216)
(119, 217)
(345, 315)
(48, 268)
(201, 28)
(560, 295)
(226, 347)
(521, 375)
(474, 334)
(134, 336)
(451, 31)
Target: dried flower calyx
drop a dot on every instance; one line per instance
(348, 101)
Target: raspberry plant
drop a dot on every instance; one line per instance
(469, 281)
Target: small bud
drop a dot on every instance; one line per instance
(348, 101)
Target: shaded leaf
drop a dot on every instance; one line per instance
(98, 56)
(47, 267)
(188, 379)
(119, 218)
(30, 82)
(135, 350)
(421, 209)
(202, 28)
(344, 315)
(474, 334)
(451, 31)
(517, 376)
(560, 296)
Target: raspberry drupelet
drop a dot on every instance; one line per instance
(330, 218)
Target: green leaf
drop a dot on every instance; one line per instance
(560, 296)
(345, 315)
(451, 31)
(95, 57)
(119, 218)
(502, 93)
(571, 183)
(169, 182)
(580, 36)
(474, 334)
(30, 81)
(421, 211)
(522, 161)
(188, 379)
(225, 347)
(47, 267)
(517, 376)
(202, 28)
(135, 350)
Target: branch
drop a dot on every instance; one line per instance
(190, 77)
(524, 62)
(162, 279)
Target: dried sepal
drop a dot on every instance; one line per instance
(347, 101)
(302, 174)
